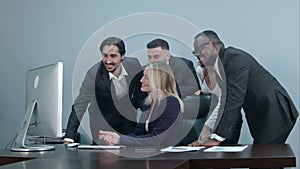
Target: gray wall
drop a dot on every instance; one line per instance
(36, 33)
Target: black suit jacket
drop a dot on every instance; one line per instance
(269, 111)
(98, 95)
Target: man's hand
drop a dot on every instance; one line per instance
(195, 143)
(207, 143)
(198, 92)
(211, 142)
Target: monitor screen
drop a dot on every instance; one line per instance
(44, 84)
(43, 99)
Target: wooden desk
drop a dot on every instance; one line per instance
(254, 156)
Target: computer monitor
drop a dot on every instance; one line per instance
(43, 115)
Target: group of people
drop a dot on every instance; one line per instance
(236, 79)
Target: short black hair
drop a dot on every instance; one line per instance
(211, 35)
(116, 42)
(158, 43)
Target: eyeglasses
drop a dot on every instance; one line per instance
(197, 51)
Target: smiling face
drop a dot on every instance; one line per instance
(205, 51)
(112, 59)
(145, 81)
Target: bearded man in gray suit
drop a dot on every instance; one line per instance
(104, 91)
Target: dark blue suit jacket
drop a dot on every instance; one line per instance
(165, 126)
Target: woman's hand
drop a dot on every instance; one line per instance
(110, 138)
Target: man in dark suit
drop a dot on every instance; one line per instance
(104, 92)
(269, 110)
(183, 69)
(187, 84)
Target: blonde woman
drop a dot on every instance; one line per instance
(161, 121)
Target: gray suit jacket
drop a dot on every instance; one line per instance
(185, 75)
(269, 110)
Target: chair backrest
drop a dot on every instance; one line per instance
(196, 109)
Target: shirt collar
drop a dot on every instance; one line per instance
(123, 73)
(216, 66)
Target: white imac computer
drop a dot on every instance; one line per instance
(43, 116)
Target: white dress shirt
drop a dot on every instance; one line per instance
(120, 83)
(211, 120)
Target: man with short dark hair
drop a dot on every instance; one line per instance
(104, 92)
(269, 110)
(183, 69)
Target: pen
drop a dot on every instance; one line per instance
(145, 149)
(179, 148)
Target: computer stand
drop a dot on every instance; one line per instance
(19, 142)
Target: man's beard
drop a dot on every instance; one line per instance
(210, 62)
(111, 71)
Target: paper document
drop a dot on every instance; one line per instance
(100, 147)
(226, 148)
(181, 149)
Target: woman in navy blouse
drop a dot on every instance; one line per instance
(161, 122)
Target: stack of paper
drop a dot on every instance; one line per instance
(226, 148)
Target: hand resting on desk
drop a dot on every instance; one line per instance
(207, 143)
(110, 138)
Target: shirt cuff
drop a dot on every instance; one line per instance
(217, 137)
(69, 140)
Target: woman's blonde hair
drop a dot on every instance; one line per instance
(162, 82)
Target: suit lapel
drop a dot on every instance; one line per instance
(130, 72)
(102, 74)
(221, 79)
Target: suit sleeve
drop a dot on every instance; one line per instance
(80, 105)
(237, 73)
(72, 126)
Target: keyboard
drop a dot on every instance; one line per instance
(100, 147)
